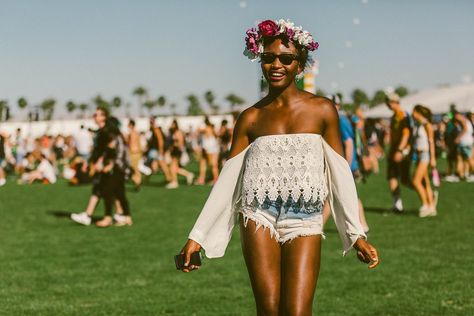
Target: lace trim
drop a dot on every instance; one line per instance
(287, 169)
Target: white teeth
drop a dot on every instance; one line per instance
(275, 74)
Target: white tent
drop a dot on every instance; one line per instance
(437, 99)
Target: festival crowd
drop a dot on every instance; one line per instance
(112, 155)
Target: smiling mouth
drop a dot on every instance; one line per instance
(276, 76)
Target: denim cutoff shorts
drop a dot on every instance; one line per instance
(285, 220)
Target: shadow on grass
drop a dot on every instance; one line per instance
(387, 211)
(67, 215)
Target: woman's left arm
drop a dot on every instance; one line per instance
(331, 134)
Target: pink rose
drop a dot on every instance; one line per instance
(290, 33)
(252, 44)
(313, 46)
(268, 28)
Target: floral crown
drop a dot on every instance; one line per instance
(269, 28)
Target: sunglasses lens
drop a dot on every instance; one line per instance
(267, 58)
(286, 59)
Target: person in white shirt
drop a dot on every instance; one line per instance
(285, 163)
(44, 172)
(83, 140)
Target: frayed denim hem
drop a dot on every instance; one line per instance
(259, 223)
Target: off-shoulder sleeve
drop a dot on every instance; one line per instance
(343, 198)
(213, 228)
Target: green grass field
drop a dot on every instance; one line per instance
(52, 266)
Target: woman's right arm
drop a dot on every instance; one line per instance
(239, 143)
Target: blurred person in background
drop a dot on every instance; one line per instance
(450, 135)
(210, 153)
(95, 166)
(178, 152)
(116, 166)
(350, 154)
(399, 158)
(424, 149)
(464, 142)
(373, 145)
(225, 141)
(83, 142)
(135, 150)
(156, 150)
(44, 172)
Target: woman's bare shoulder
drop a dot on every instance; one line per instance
(322, 106)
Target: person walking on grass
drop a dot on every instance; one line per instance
(156, 150)
(399, 158)
(96, 165)
(178, 152)
(135, 151)
(424, 148)
(275, 183)
(348, 144)
(464, 142)
(209, 153)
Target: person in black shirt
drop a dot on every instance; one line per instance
(96, 163)
(399, 158)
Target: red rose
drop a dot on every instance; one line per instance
(268, 28)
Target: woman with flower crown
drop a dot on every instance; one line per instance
(285, 166)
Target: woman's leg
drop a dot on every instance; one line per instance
(262, 257)
(93, 201)
(121, 201)
(202, 170)
(165, 169)
(421, 170)
(174, 170)
(428, 190)
(299, 275)
(213, 163)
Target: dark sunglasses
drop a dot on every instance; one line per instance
(285, 59)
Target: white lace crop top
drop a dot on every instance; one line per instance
(299, 167)
(285, 168)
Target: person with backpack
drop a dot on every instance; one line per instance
(399, 155)
(348, 138)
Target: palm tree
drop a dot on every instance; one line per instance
(234, 100)
(402, 91)
(359, 97)
(47, 106)
(210, 98)
(194, 107)
(22, 103)
(161, 101)
(149, 105)
(141, 94)
(116, 102)
(83, 108)
(101, 102)
(378, 98)
(71, 106)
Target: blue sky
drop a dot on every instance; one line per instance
(77, 49)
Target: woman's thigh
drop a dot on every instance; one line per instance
(300, 270)
(421, 170)
(262, 255)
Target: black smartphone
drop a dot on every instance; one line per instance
(195, 260)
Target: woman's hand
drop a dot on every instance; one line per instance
(433, 162)
(190, 247)
(367, 253)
